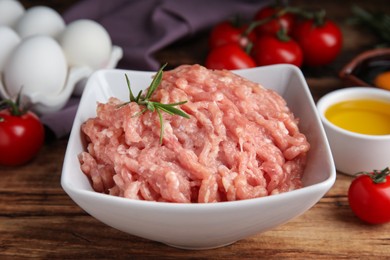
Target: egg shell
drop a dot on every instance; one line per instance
(40, 20)
(37, 64)
(9, 40)
(86, 43)
(10, 12)
(382, 80)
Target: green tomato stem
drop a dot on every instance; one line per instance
(377, 176)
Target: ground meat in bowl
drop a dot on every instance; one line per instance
(240, 142)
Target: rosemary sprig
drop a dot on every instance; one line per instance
(378, 22)
(144, 100)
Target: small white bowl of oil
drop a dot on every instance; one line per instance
(357, 124)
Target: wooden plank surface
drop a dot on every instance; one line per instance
(37, 218)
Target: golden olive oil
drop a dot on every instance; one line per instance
(364, 116)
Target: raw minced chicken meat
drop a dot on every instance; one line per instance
(240, 142)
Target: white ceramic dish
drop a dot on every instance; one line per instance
(201, 226)
(354, 152)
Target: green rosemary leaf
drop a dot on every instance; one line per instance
(168, 108)
(176, 104)
(156, 82)
(132, 99)
(138, 96)
(140, 112)
(378, 22)
(123, 104)
(150, 106)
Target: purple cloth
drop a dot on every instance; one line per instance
(142, 27)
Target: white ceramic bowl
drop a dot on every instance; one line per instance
(201, 226)
(354, 152)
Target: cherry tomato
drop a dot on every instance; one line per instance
(269, 50)
(21, 137)
(226, 32)
(369, 197)
(285, 21)
(229, 56)
(320, 43)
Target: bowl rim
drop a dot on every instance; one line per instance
(347, 72)
(325, 101)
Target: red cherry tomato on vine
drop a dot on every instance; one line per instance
(369, 197)
(320, 43)
(285, 21)
(21, 137)
(229, 56)
(227, 32)
(269, 50)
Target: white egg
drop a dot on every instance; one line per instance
(9, 40)
(40, 20)
(10, 12)
(37, 64)
(86, 43)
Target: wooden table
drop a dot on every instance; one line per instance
(37, 218)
